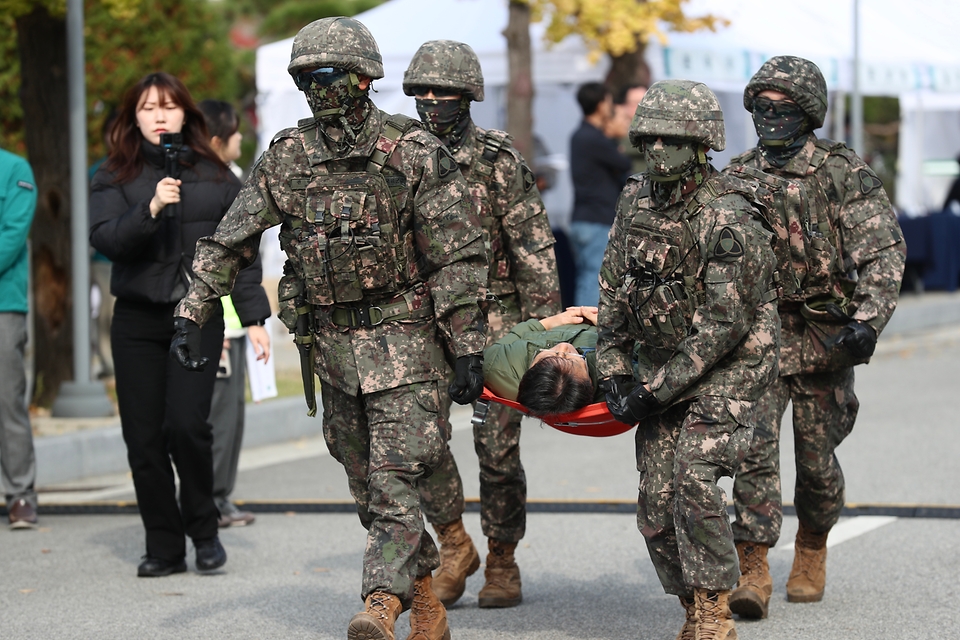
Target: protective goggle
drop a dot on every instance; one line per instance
(667, 142)
(324, 76)
(438, 92)
(779, 108)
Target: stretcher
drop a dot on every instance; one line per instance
(593, 420)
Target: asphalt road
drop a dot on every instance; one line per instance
(586, 575)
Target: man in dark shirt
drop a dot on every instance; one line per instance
(599, 173)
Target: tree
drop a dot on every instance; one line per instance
(124, 40)
(520, 88)
(620, 28)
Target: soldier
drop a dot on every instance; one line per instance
(522, 284)
(844, 293)
(687, 279)
(385, 265)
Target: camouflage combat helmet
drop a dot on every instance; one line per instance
(336, 42)
(679, 109)
(799, 79)
(448, 65)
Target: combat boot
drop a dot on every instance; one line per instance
(458, 559)
(808, 577)
(377, 620)
(689, 629)
(502, 575)
(751, 598)
(428, 618)
(714, 621)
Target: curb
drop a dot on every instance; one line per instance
(100, 452)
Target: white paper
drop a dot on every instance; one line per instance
(261, 375)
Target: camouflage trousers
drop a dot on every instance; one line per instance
(824, 410)
(503, 484)
(681, 511)
(388, 442)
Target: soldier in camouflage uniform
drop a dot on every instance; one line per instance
(385, 267)
(846, 291)
(687, 278)
(522, 283)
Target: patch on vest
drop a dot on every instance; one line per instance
(446, 165)
(529, 180)
(23, 184)
(729, 245)
(869, 182)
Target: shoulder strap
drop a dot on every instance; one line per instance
(744, 158)
(393, 127)
(493, 141)
(824, 148)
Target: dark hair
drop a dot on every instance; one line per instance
(590, 95)
(125, 159)
(550, 388)
(221, 118)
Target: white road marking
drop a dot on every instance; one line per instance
(849, 529)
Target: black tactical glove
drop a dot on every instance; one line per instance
(628, 405)
(185, 346)
(858, 337)
(467, 382)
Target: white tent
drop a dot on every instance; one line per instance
(906, 51)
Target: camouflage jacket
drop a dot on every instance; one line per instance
(689, 286)
(442, 236)
(523, 267)
(861, 232)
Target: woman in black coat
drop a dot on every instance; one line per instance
(148, 207)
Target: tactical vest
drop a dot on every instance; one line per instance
(347, 243)
(500, 278)
(663, 284)
(814, 228)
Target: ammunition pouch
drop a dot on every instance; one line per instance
(819, 350)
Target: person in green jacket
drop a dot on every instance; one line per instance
(548, 365)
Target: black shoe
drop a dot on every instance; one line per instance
(157, 568)
(210, 554)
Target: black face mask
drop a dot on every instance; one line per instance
(782, 128)
(441, 117)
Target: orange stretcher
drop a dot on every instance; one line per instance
(593, 420)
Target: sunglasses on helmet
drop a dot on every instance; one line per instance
(324, 76)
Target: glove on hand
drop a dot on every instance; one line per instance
(185, 346)
(467, 382)
(627, 402)
(858, 337)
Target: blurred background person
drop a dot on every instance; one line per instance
(101, 300)
(18, 466)
(599, 172)
(148, 207)
(624, 107)
(248, 304)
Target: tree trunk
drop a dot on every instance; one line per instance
(42, 46)
(520, 88)
(628, 69)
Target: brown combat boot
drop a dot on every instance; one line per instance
(808, 578)
(502, 586)
(376, 621)
(689, 629)
(714, 621)
(428, 618)
(751, 598)
(458, 559)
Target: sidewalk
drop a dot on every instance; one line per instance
(72, 449)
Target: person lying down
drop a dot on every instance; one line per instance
(549, 365)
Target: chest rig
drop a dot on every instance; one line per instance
(349, 241)
(807, 221)
(483, 190)
(663, 284)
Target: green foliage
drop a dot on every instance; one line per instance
(183, 37)
(286, 18)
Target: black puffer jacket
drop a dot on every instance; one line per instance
(152, 257)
